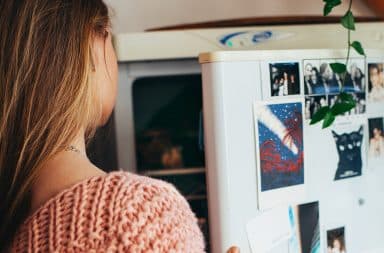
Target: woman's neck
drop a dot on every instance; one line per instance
(62, 171)
(79, 143)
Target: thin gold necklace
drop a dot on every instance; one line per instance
(73, 149)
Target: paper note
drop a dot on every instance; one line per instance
(269, 229)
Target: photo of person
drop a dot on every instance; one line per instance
(284, 78)
(313, 104)
(319, 78)
(312, 80)
(359, 99)
(376, 138)
(376, 82)
(336, 241)
(330, 80)
(355, 79)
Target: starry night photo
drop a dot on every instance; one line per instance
(280, 128)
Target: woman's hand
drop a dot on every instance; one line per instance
(233, 249)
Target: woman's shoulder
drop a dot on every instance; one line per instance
(120, 209)
(126, 189)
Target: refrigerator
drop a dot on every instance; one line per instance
(275, 182)
(164, 93)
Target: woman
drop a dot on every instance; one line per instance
(376, 83)
(376, 144)
(337, 246)
(58, 76)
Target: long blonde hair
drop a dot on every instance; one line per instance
(45, 93)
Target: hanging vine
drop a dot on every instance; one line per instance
(345, 101)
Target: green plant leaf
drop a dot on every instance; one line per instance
(328, 119)
(329, 5)
(341, 108)
(348, 21)
(358, 47)
(327, 9)
(333, 2)
(338, 68)
(345, 97)
(319, 115)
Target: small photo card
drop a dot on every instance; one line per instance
(375, 82)
(376, 142)
(285, 78)
(336, 241)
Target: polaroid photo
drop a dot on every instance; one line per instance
(375, 82)
(284, 79)
(336, 241)
(376, 142)
(375, 95)
(280, 151)
(305, 225)
(349, 141)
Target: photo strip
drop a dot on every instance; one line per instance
(284, 79)
(322, 85)
(336, 241)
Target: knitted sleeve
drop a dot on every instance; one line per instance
(154, 217)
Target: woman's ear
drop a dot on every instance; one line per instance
(104, 73)
(97, 52)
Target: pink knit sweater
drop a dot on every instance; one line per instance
(120, 212)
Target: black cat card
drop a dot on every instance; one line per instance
(348, 145)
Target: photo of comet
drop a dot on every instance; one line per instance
(280, 132)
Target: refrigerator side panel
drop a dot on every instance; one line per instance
(229, 90)
(215, 153)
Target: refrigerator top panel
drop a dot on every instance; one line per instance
(283, 55)
(181, 44)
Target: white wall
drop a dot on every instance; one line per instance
(138, 15)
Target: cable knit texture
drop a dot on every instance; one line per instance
(120, 212)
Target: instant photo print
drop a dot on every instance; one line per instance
(376, 142)
(285, 78)
(376, 82)
(336, 241)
